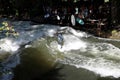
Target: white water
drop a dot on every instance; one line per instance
(101, 58)
(71, 42)
(8, 45)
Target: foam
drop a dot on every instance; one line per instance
(102, 67)
(8, 45)
(77, 33)
(70, 42)
(105, 61)
(51, 32)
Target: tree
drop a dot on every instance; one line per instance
(115, 11)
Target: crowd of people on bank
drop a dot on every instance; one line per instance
(72, 15)
(64, 15)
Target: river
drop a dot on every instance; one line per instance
(37, 54)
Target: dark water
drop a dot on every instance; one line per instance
(36, 54)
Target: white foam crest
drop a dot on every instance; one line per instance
(51, 32)
(72, 42)
(8, 45)
(105, 61)
(77, 33)
(105, 50)
(102, 67)
(35, 26)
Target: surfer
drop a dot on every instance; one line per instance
(60, 38)
(80, 18)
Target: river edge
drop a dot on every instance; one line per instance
(108, 33)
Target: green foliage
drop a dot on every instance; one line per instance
(115, 6)
(20, 7)
(8, 29)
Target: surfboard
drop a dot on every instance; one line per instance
(80, 21)
(73, 20)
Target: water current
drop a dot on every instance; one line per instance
(37, 50)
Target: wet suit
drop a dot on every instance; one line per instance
(60, 39)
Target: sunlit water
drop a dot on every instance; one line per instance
(79, 49)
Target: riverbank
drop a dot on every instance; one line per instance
(115, 34)
(112, 34)
(99, 32)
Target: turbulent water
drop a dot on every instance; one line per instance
(79, 49)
